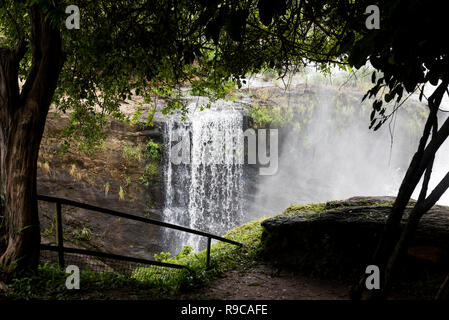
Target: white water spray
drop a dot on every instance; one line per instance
(205, 193)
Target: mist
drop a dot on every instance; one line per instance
(337, 156)
(441, 162)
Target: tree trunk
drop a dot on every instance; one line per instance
(22, 121)
(394, 241)
(420, 208)
(18, 184)
(423, 157)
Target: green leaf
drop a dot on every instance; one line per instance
(377, 104)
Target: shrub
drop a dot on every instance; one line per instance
(153, 150)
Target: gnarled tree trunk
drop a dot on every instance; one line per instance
(22, 121)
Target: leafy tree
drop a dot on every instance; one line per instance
(409, 54)
(155, 46)
(121, 48)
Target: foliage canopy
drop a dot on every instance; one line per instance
(154, 47)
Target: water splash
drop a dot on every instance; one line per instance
(206, 192)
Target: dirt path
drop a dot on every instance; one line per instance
(263, 283)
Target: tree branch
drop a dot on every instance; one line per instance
(47, 60)
(20, 50)
(13, 21)
(9, 84)
(427, 175)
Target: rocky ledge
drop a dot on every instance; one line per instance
(342, 237)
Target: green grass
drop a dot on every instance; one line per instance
(224, 256)
(84, 234)
(159, 282)
(49, 283)
(150, 282)
(132, 154)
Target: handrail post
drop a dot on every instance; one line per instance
(208, 253)
(59, 235)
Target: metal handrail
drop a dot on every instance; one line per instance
(59, 238)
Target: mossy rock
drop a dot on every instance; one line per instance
(340, 239)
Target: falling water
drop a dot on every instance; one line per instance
(204, 190)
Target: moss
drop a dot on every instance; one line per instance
(301, 209)
(391, 203)
(224, 256)
(320, 207)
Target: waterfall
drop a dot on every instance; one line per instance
(203, 174)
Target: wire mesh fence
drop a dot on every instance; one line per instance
(94, 264)
(90, 258)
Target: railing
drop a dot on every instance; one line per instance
(60, 240)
